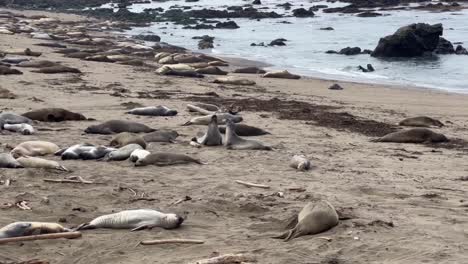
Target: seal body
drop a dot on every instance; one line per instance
(421, 121)
(166, 159)
(135, 220)
(161, 136)
(251, 70)
(138, 154)
(118, 126)
(222, 117)
(212, 137)
(234, 81)
(206, 107)
(159, 110)
(37, 64)
(53, 115)
(34, 148)
(7, 161)
(57, 69)
(84, 151)
(34, 162)
(12, 118)
(122, 153)
(300, 162)
(126, 138)
(415, 135)
(281, 74)
(233, 141)
(25, 129)
(246, 130)
(18, 229)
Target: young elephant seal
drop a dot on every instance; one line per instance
(232, 80)
(122, 153)
(313, 219)
(34, 148)
(19, 229)
(222, 117)
(54, 115)
(126, 138)
(421, 121)
(233, 141)
(415, 135)
(246, 131)
(300, 162)
(25, 129)
(118, 126)
(168, 136)
(159, 110)
(34, 162)
(135, 220)
(212, 137)
(7, 161)
(12, 118)
(165, 159)
(138, 154)
(83, 151)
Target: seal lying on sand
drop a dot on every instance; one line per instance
(168, 136)
(34, 148)
(126, 138)
(313, 219)
(118, 126)
(233, 141)
(207, 107)
(84, 151)
(138, 154)
(251, 70)
(415, 135)
(205, 120)
(281, 74)
(421, 121)
(4, 70)
(300, 162)
(234, 81)
(53, 115)
(246, 130)
(212, 137)
(18, 229)
(34, 162)
(25, 129)
(122, 153)
(57, 69)
(166, 159)
(213, 70)
(37, 64)
(135, 220)
(7, 161)
(159, 110)
(12, 118)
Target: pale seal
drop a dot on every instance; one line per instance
(118, 126)
(281, 74)
(232, 80)
(25, 129)
(138, 154)
(159, 110)
(126, 138)
(34, 162)
(166, 159)
(12, 118)
(246, 131)
(7, 161)
(84, 151)
(206, 107)
(135, 220)
(300, 162)
(212, 137)
(415, 135)
(421, 121)
(34, 148)
(53, 115)
(168, 136)
(233, 141)
(222, 117)
(122, 153)
(18, 229)
(37, 64)
(314, 218)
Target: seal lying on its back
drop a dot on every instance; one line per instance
(313, 219)
(53, 115)
(122, 153)
(246, 130)
(222, 117)
(34, 148)
(421, 121)
(415, 135)
(118, 126)
(161, 136)
(126, 138)
(7, 161)
(18, 229)
(233, 141)
(83, 151)
(34, 162)
(25, 129)
(159, 110)
(212, 137)
(165, 159)
(12, 118)
(135, 220)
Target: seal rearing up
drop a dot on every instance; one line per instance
(233, 141)
(212, 137)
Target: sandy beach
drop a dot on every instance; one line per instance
(404, 202)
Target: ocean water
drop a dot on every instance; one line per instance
(307, 44)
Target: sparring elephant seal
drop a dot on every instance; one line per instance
(159, 110)
(122, 153)
(138, 154)
(135, 220)
(314, 218)
(34, 162)
(415, 135)
(7, 161)
(34, 148)
(421, 121)
(126, 138)
(222, 117)
(246, 131)
(212, 137)
(118, 126)
(166, 159)
(25, 129)
(19, 229)
(53, 115)
(168, 136)
(12, 118)
(300, 162)
(233, 141)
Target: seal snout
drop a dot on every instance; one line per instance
(180, 220)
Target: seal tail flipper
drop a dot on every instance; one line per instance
(283, 235)
(188, 123)
(62, 168)
(138, 228)
(84, 226)
(293, 233)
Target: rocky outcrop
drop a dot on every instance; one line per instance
(444, 47)
(153, 38)
(410, 41)
(369, 14)
(460, 50)
(278, 42)
(301, 12)
(227, 25)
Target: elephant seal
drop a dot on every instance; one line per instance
(222, 117)
(212, 137)
(12, 118)
(250, 70)
(166, 159)
(314, 218)
(300, 162)
(25, 129)
(421, 121)
(4, 70)
(207, 107)
(118, 126)
(84, 151)
(415, 135)
(211, 70)
(135, 220)
(34, 162)
(168, 136)
(14, 60)
(138, 154)
(34, 148)
(246, 131)
(19, 229)
(37, 64)
(159, 110)
(281, 74)
(6, 94)
(53, 115)
(57, 69)
(126, 138)
(122, 153)
(7, 161)
(233, 141)
(234, 81)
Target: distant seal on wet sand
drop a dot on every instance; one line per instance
(25, 129)
(166, 159)
(138, 154)
(37, 64)
(135, 220)
(126, 138)
(34, 162)
(18, 229)
(300, 162)
(246, 131)
(168, 136)
(314, 218)
(281, 75)
(212, 137)
(234, 81)
(251, 70)
(421, 121)
(54, 115)
(34, 148)
(12, 118)
(122, 153)
(118, 126)
(211, 70)
(83, 151)
(205, 120)
(415, 135)
(233, 141)
(159, 110)
(7, 161)
(57, 69)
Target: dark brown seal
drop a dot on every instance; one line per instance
(118, 126)
(53, 115)
(421, 121)
(415, 135)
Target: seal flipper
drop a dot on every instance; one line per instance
(85, 226)
(142, 227)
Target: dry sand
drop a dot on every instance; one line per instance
(405, 202)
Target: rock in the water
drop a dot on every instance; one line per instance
(335, 87)
(153, 38)
(206, 42)
(301, 12)
(227, 25)
(251, 70)
(444, 47)
(368, 69)
(410, 41)
(327, 28)
(460, 50)
(350, 51)
(256, 2)
(278, 42)
(369, 14)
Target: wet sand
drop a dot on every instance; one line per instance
(404, 200)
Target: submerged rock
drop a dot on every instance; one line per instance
(350, 51)
(369, 14)
(368, 69)
(444, 47)
(460, 50)
(278, 42)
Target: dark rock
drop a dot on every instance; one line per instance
(347, 10)
(444, 47)
(227, 25)
(335, 87)
(460, 50)
(153, 38)
(369, 14)
(350, 51)
(327, 28)
(301, 12)
(366, 51)
(286, 5)
(278, 42)
(331, 52)
(410, 41)
(261, 44)
(256, 2)
(317, 7)
(368, 69)
(199, 26)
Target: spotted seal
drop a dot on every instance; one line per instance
(25, 129)
(122, 153)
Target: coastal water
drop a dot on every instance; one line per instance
(306, 46)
